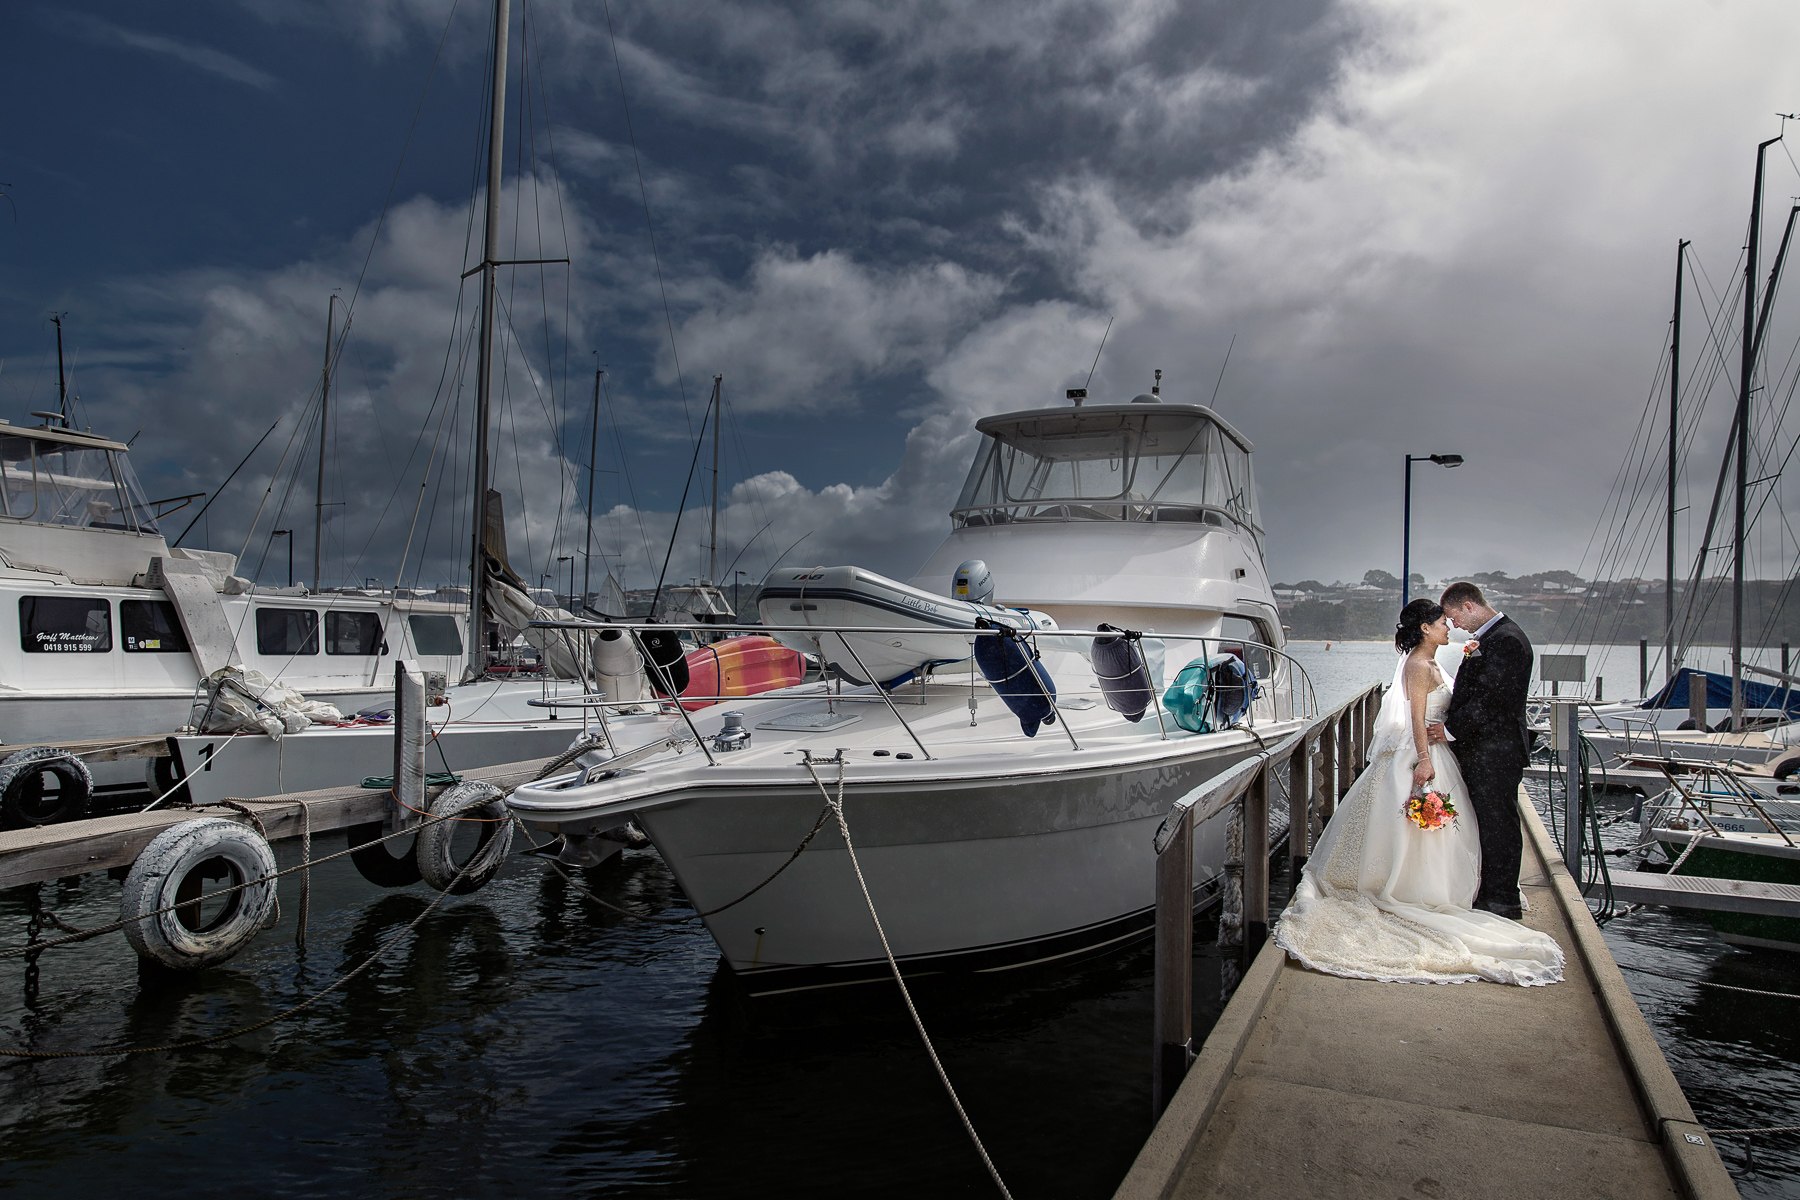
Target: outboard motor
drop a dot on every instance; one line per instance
(973, 582)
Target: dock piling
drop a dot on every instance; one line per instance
(1174, 987)
(1300, 795)
(1256, 868)
(1568, 727)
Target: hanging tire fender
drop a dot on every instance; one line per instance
(22, 795)
(469, 801)
(375, 862)
(183, 863)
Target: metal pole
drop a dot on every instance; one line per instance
(62, 386)
(1256, 866)
(1406, 539)
(1174, 987)
(484, 369)
(587, 574)
(1643, 666)
(324, 414)
(1674, 440)
(1746, 364)
(712, 542)
(1568, 716)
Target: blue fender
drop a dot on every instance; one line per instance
(1011, 664)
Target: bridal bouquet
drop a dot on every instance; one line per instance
(1430, 810)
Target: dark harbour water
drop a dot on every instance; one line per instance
(526, 1040)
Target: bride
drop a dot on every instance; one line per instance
(1383, 898)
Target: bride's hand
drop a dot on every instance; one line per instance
(1423, 773)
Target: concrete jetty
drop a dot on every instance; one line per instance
(1316, 1086)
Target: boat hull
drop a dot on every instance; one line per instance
(967, 875)
(1764, 864)
(247, 765)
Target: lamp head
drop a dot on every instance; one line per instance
(1447, 460)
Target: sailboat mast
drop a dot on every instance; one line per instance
(1746, 365)
(712, 548)
(485, 363)
(62, 386)
(1674, 445)
(324, 412)
(587, 575)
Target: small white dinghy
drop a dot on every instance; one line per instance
(927, 629)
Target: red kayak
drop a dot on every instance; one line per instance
(740, 666)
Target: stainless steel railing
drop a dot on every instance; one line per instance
(1283, 693)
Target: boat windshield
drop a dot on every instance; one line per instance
(89, 484)
(1159, 465)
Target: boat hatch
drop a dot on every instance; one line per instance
(52, 477)
(1174, 463)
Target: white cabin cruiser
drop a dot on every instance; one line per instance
(988, 840)
(107, 632)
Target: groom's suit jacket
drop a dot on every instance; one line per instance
(1487, 707)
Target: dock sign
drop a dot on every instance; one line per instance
(1562, 668)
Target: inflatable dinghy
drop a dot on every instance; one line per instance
(926, 629)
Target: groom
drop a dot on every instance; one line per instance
(1487, 733)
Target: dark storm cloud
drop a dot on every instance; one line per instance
(1426, 225)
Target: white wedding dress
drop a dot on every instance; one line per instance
(1383, 899)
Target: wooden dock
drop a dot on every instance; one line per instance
(99, 843)
(1311, 1085)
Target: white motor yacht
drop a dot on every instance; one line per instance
(988, 840)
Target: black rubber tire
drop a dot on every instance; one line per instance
(183, 862)
(469, 800)
(1787, 768)
(160, 775)
(378, 864)
(23, 801)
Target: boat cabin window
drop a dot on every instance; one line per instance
(284, 631)
(82, 482)
(353, 633)
(150, 626)
(1247, 638)
(435, 634)
(1157, 465)
(64, 625)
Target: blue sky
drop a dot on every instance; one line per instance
(1424, 225)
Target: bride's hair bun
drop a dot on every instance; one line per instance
(1409, 632)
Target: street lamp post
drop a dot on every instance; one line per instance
(1442, 460)
(289, 535)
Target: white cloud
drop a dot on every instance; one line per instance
(206, 58)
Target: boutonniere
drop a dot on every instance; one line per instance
(1471, 649)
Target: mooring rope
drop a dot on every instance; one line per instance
(1729, 987)
(836, 807)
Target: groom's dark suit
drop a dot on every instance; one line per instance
(1492, 745)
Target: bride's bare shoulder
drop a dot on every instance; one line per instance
(1420, 672)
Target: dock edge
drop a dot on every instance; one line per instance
(1688, 1150)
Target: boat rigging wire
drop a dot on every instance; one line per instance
(1101, 350)
(711, 410)
(229, 478)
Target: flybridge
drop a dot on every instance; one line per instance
(1114, 462)
(62, 477)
